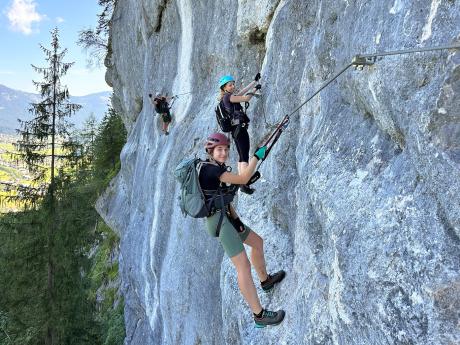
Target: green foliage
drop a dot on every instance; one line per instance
(114, 326)
(102, 268)
(22, 277)
(80, 251)
(41, 136)
(7, 173)
(97, 41)
(58, 281)
(108, 145)
(49, 121)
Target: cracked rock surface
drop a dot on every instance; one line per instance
(358, 202)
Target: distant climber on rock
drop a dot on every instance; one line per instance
(223, 222)
(232, 117)
(162, 107)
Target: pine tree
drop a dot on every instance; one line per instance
(97, 41)
(48, 278)
(49, 128)
(22, 278)
(85, 298)
(45, 139)
(108, 144)
(88, 136)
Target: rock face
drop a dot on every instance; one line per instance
(359, 201)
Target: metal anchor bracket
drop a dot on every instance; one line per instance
(360, 61)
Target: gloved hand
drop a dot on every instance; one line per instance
(261, 152)
(257, 77)
(258, 87)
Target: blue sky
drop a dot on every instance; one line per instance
(24, 24)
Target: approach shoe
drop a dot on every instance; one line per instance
(269, 318)
(246, 189)
(272, 279)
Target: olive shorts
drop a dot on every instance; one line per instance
(229, 237)
(166, 117)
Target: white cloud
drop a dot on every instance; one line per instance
(60, 20)
(6, 72)
(22, 15)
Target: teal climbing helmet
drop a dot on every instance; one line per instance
(225, 79)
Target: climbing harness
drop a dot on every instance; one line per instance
(162, 105)
(359, 61)
(195, 201)
(240, 121)
(231, 120)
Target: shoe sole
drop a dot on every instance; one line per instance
(271, 288)
(272, 324)
(248, 193)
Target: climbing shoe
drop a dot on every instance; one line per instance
(246, 189)
(272, 279)
(166, 133)
(269, 318)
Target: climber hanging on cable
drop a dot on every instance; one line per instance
(162, 107)
(223, 222)
(232, 117)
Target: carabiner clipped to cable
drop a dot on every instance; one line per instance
(270, 142)
(285, 121)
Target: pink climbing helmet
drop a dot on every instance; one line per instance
(216, 139)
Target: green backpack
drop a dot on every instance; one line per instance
(191, 200)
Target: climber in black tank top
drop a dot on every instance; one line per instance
(231, 103)
(234, 233)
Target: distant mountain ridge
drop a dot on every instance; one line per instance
(14, 105)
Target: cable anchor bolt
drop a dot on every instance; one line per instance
(360, 61)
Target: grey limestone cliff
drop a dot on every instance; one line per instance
(359, 201)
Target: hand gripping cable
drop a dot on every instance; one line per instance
(269, 143)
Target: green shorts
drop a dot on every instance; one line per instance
(229, 237)
(166, 117)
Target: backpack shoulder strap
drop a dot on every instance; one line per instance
(222, 106)
(202, 163)
(222, 210)
(222, 109)
(198, 166)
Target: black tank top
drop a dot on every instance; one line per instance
(209, 178)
